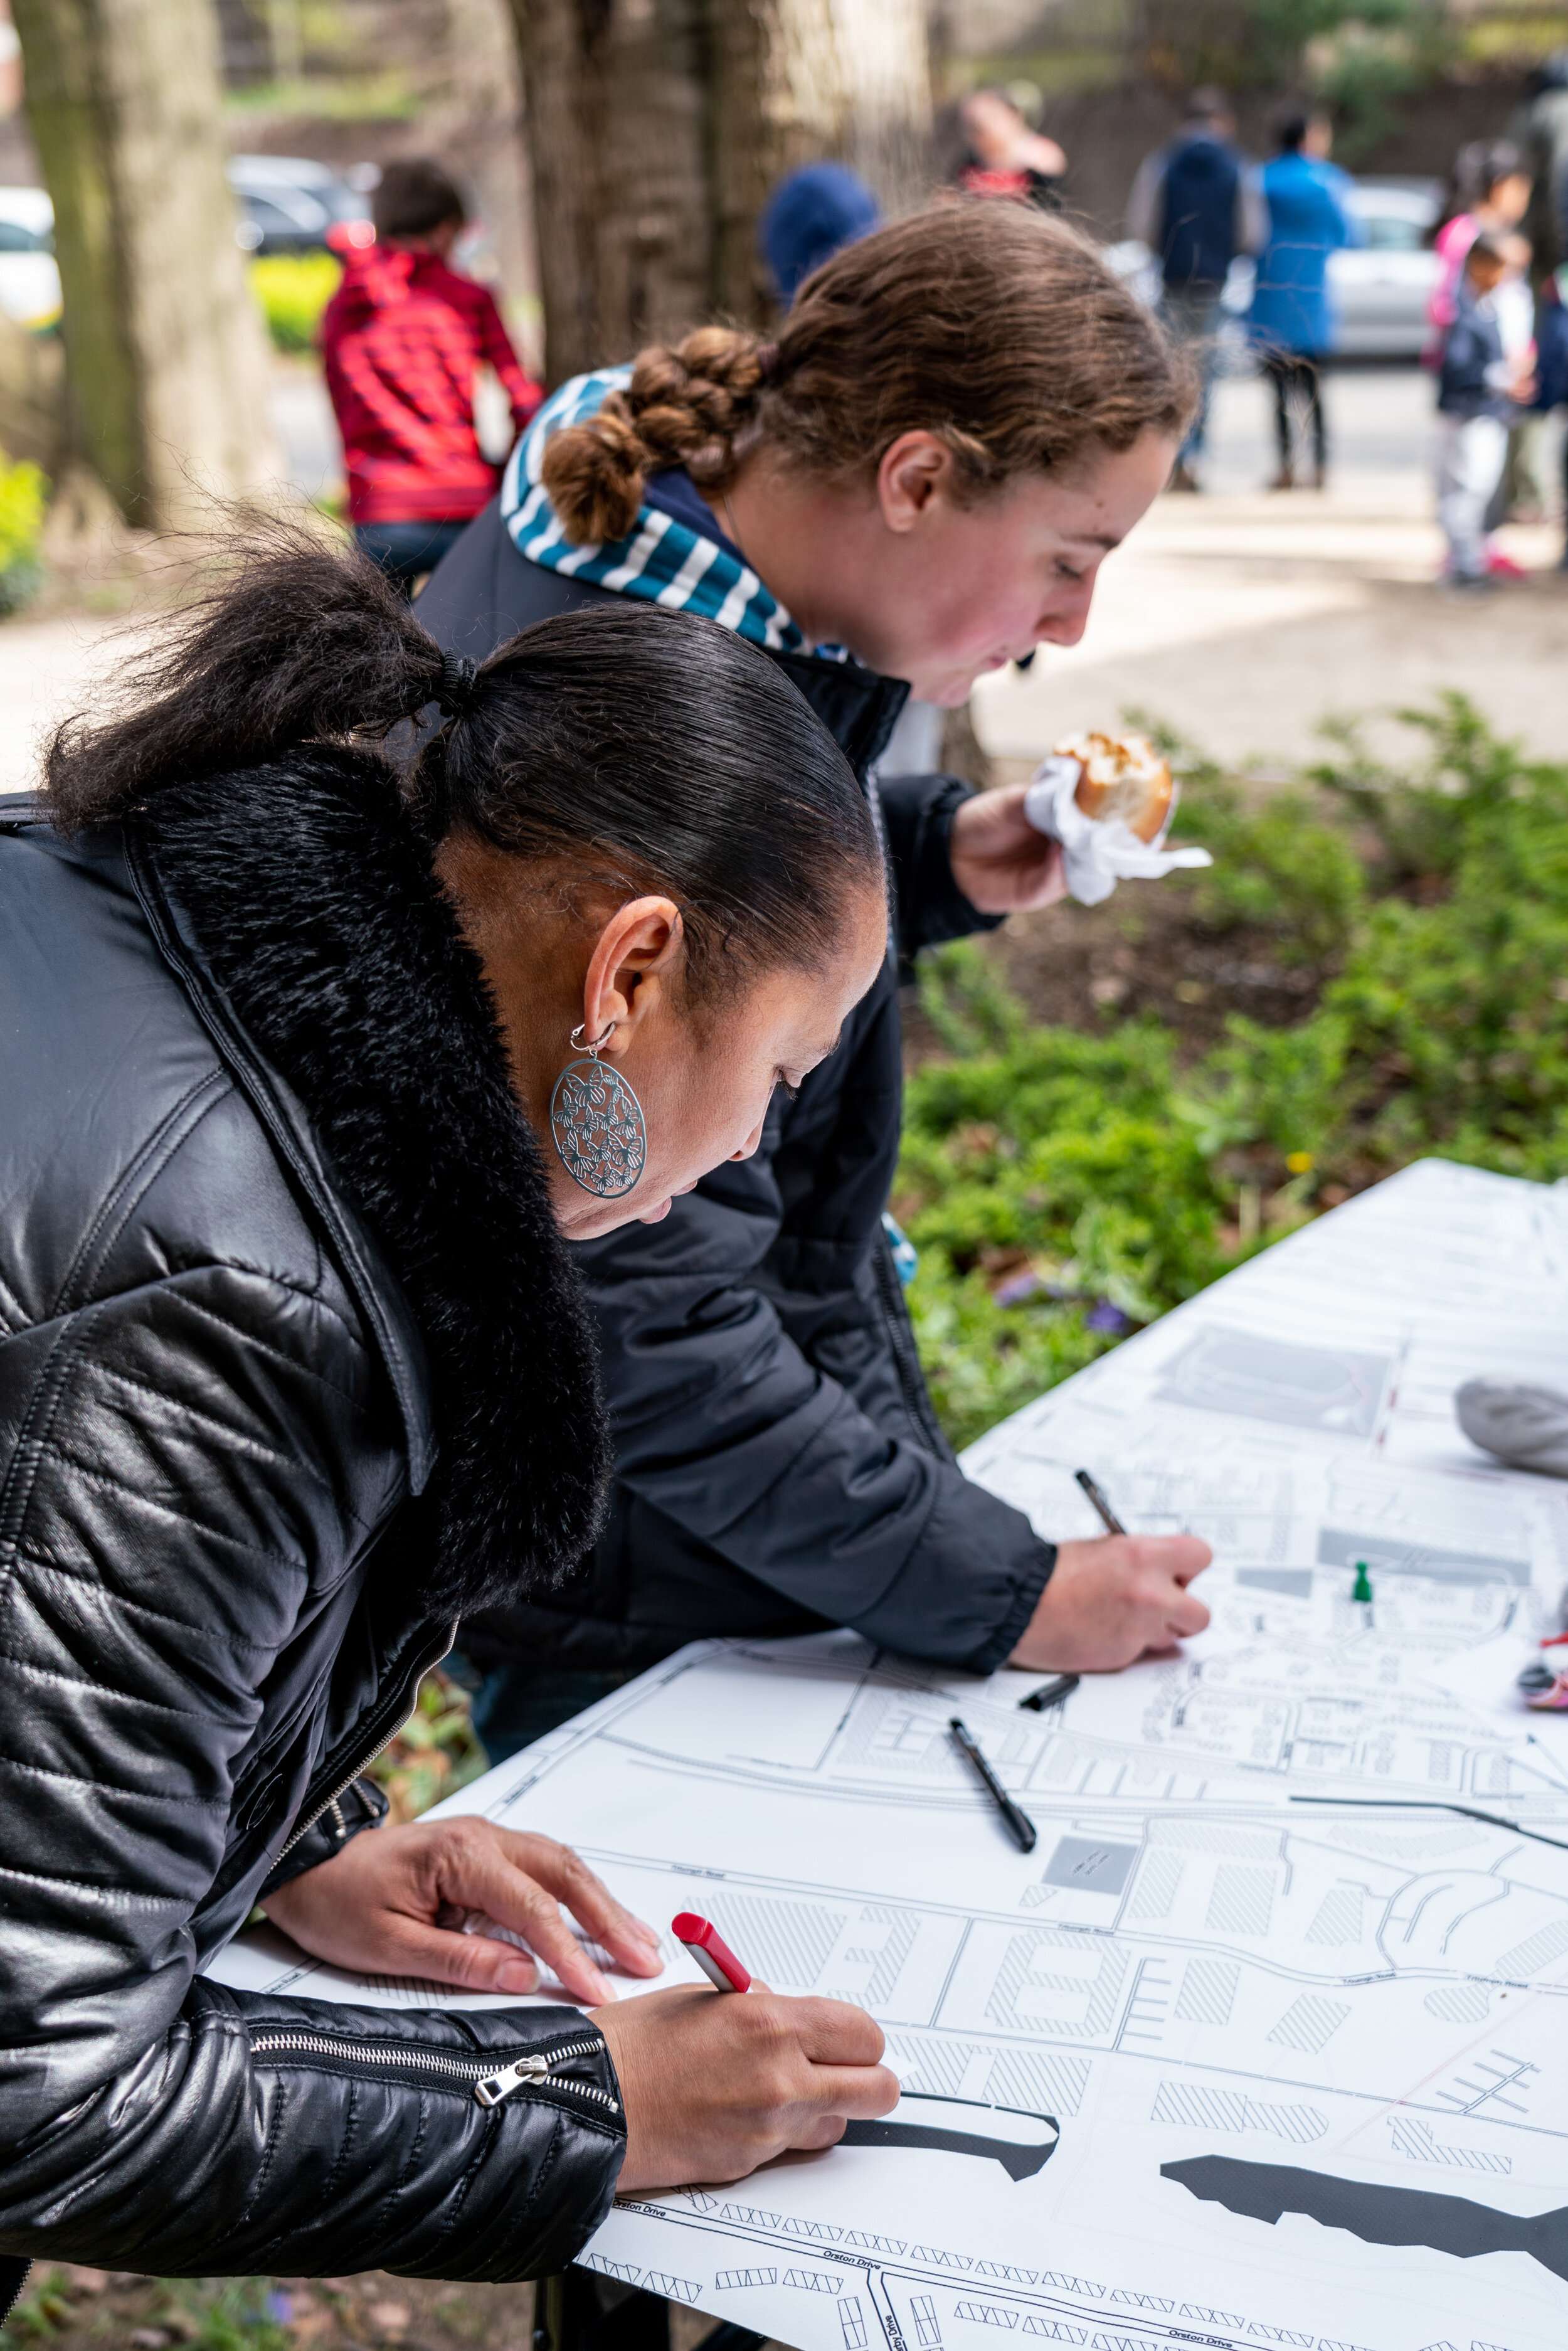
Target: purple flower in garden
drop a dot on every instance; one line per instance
(1103, 1316)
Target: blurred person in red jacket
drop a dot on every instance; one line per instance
(404, 338)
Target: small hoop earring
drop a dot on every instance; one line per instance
(596, 1122)
(605, 1034)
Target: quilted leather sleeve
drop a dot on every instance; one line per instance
(192, 1473)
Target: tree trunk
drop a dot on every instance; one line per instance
(886, 71)
(614, 101)
(165, 364)
(656, 128)
(776, 100)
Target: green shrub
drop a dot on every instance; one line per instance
(24, 496)
(1288, 862)
(436, 1752)
(227, 2314)
(1055, 1193)
(1063, 1187)
(293, 289)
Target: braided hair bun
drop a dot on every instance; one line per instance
(687, 406)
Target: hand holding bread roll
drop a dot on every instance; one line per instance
(1109, 799)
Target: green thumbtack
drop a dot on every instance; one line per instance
(1363, 1585)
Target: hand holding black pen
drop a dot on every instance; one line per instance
(1108, 1600)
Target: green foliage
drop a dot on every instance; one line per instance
(293, 289)
(1275, 1086)
(1047, 1167)
(436, 1752)
(1061, 1186)
(1358, 57)
(227, 2314)
(41, 2311)
(24, 496)
(1286, 862)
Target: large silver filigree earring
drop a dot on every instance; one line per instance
(596, 1122)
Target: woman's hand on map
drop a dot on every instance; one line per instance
(716, 2082)
(395, 1902)
(1112, 1599)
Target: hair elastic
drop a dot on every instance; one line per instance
(456, 695)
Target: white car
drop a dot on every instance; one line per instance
(29, 281)
(1380, 288)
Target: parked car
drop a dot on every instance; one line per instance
(29, 281)
(290, 205)
(1380, 288)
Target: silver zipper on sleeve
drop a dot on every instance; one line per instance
(500, 2084)
(490, 2083)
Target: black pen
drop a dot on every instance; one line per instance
(1050, 1693)
(1020, 1826)
(1108, 1519)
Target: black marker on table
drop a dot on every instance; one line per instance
(1020, 1827)
(1050, 1694)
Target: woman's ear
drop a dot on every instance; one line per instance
(635, 956)
(914, 468)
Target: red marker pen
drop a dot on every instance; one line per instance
(711, 1952)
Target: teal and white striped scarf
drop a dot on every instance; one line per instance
(660, 559)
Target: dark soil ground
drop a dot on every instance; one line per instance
(1140, 952)
(1089, 967)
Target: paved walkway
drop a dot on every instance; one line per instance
(48, 669)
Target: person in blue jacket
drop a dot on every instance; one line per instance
(1291, 322)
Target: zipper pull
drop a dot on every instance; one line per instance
(497, 2087)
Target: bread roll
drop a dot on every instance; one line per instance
(1124, 776)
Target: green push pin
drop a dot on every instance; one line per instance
(1363, 1591)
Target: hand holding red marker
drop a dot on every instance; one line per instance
(713, 2088)
(711, 1952)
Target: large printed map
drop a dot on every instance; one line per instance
(1267, 2041)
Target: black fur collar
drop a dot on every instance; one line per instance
(312, 900)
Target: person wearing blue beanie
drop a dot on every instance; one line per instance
(810, 215)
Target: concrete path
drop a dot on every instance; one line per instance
(49, 669)
(1244, 618)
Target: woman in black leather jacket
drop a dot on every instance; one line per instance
(293, 1371)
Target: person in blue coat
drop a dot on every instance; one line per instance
(1291, 321)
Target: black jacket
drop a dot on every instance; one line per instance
(263, 1431)
(780, 1465)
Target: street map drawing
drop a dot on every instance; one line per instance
(1267, 2041)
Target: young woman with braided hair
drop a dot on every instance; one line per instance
(962, 415)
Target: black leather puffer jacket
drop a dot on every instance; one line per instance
(292, 1369)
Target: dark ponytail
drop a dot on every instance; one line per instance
(636, 749)
(298, 645)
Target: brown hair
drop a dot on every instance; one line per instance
(999, 330)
